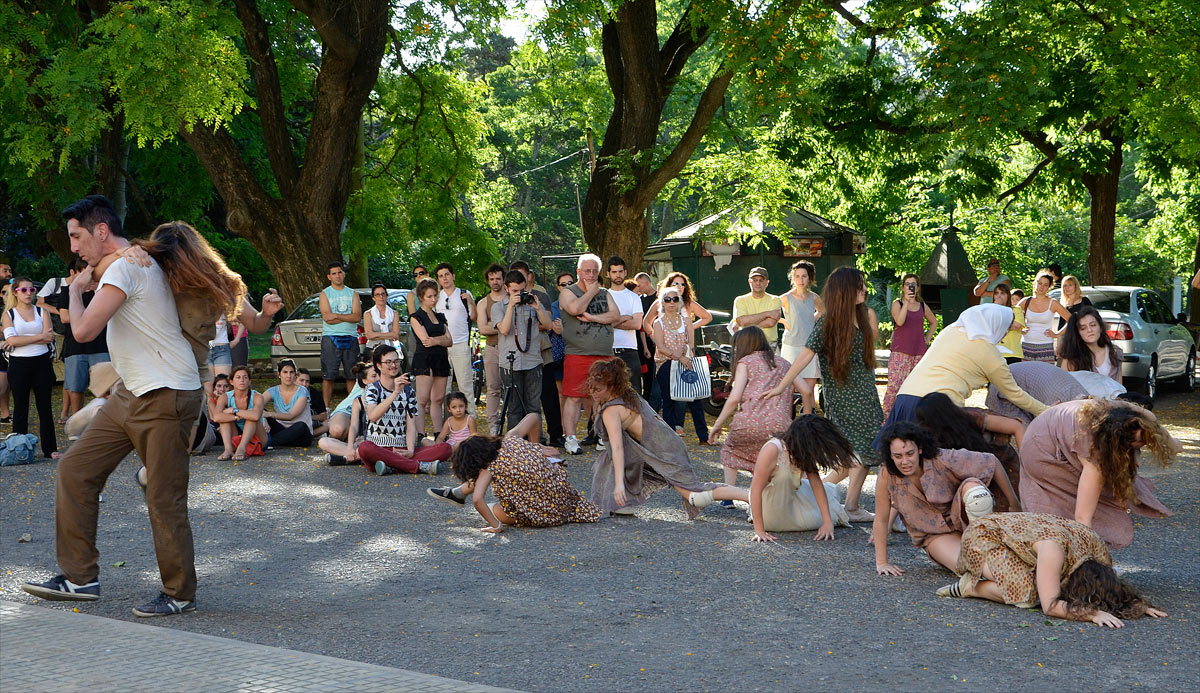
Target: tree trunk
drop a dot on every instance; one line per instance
(641, 75)
(1103, 189)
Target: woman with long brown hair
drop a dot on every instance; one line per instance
(642, 453)
(1037, 342)
(1080, 461)
(697, 315)
(844, 340)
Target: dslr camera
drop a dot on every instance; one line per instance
(525, 299)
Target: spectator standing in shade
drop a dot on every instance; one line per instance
(801, 308)
(1037, 342)
(1056, 272)
(645, 290)
(420, 273)
(554, 372)
(988, 284)
(758, 308)
(458, 306)
(78, 358)
(381, 324)
(519, 317)
(625, 330)
(340, 311)
(1072, 299)
(551, 407)
(28, 338)
(491, 353)
(239, 346)
(588, 316)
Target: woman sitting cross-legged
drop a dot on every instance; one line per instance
(1025, 559)
(787, 494)
(240, 415)
(348, 422)
(643, 453)
(533, 490)
(933, 489)
(393, 440)
(290, 423)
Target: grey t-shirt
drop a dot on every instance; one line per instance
(524, 335)
(1044, 382)
(588, 338)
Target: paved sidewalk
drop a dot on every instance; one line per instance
(46, 650)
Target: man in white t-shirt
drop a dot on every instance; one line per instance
(629, 305)
(152, 413)
(458, 306)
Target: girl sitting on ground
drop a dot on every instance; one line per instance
(290, 424)
(459, 426)
(787, 494)
(756, 369)
(240, 415)
(933, 489)
(532, 490)
(364, 374)
(350, 419)
(642, 453)
(1025, 559)
(1086, 346)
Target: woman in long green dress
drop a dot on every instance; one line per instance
(843, 341)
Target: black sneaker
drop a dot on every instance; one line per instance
(590, 440)
(162, 605)
(726, 504)
(60, 589)
(335, 460)
(446, 493)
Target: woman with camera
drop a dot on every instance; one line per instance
(910, 337)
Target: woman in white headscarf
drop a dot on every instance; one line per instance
(965, 356)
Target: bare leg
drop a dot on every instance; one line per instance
(5, 412)
(333, 446)
(731, 475)
(732, 493)
(944, 550)
(437, 397)
(339, 426)
(327, 390)
(501, 515)
(424, 383)
(570, 415)
(986, 589)
(835, 477)
(858, 474)
(809, 399)
(228, 431)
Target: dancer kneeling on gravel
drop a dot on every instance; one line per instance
(787, 494)
(1026, 558)
(932, 488)
(533, 490)
(643, 453)
(394, 438)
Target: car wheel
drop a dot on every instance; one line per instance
(712, 407)
(1187, 382)
(1151, 386)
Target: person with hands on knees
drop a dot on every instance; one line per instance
(934, 490)
(393, 441)
(533, 490)
(290, 424)
(1026, 559)
(241, 415)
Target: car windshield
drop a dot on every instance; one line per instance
(1117, 301)
(310, 309)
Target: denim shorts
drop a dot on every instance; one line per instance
(220, 355)
(76, 369)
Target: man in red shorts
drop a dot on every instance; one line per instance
(588, 316)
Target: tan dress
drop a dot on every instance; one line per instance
(1005, 543)
(534, 491)
(933, 505)
(788, 503)
(1050, 471)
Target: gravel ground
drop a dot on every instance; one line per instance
(338, 562)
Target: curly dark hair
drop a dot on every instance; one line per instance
(814, 443)
(1094, 587)
(474, 455)
(1112, 426)
(950, 425)
(906, 430)
(613, 375)
(1074, 349)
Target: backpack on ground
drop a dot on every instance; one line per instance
(18, 448)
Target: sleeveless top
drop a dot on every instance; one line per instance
(434, 327)
(800, 319)
(909, 338)
(1038, 323)
(231, 403)
(458, 436)
(281, 405)
(341, 302)
(588, 338)
(381, 323)
(673, 339)
(27, 328)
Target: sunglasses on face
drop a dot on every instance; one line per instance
(678, 284)
(563, 285)
(26, 289)
(420, 273)
(670, 299)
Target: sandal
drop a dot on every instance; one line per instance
(951, 590)
(239, 458)
(223, 457)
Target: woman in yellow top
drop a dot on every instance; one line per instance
(963, 358)
(1002, 296)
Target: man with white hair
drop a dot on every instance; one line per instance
(588, 316)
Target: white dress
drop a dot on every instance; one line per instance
(788, 503)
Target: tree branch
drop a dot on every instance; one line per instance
(269, 95)
(322, 17)
(684, 40)
(1024, 183)
(710, 101)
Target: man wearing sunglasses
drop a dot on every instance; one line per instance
(458, 305)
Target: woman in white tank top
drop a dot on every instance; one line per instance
(28, 334)
(1037, 339)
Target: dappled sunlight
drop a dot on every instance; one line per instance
(252, 486)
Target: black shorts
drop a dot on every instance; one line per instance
(434, 363)
(333, 357)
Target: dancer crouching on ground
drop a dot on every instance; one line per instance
(643, 454)
(1025, 559)
(533, 490)
(932, 488)
(393, 423)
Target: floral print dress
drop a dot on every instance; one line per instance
(852, 405)
(757, 419)
(534, 491)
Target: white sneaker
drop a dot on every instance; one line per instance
(428, 468)
(572, 446)
(978, 502)
(600, 445)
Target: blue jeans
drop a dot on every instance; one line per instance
(673, 411)
(77, 368)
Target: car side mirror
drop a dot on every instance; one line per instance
(1180, 318)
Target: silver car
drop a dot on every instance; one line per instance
(299, 336)
(1157, 347)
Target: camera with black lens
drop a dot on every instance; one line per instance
(525, 299)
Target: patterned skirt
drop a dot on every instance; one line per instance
(900, 365)
(1038, 352)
